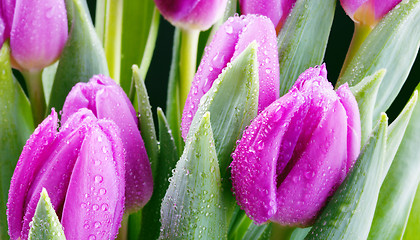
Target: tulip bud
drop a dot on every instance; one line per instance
(38, 33)
(276, 10)
(229, 41)
(191, 14)
(81, 166)
(297, 152)
(7, 10)
(107, 100)
(2, 30)
(368, 12)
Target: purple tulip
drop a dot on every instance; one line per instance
(2, 30)
(229, 41)
(191, 14)
(82, 168)
(7, 10)
(297, 152)
(368, 12)
(108, 101)
(38, 33)
(276, 10)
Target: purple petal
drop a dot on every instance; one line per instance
(54, 176)
(382, 7)
(317, 171)
(108, 101)
(254, 170)
(31, 160)
(268, 71)
(7, 11)
(95, 196)
(139, 180)
(2, 30)
(276, 10)
(351, 6)
(191, 14)
(353, 124)
(39, 33)
(228, 42)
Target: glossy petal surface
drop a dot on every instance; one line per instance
(191, 14)
(108, 101)
(368, 11)
(30, 162)
(94, 202)
(228, 42)
(39, 33)
(297, 152)
(276, 10)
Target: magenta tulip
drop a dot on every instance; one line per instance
(2, 30)
(7, 10)
(297, 152)
(82, 168)
(191, 14)
(276, 10)
(38, 32)
(228, 42)
(107, 100)
(368, 12)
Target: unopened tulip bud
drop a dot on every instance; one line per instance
(38, 33)
(82, 168)
(276, 10)
(230, 40)
(297, 152)
(191, 14)
(107, 100)
(368, 12)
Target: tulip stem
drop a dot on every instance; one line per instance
(187, 62)
(113, 37)
(33, 80)
(361, 31)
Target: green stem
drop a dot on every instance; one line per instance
(113, 33)
(188, 59)
(123, 231)
(150, 44)
(100, 19)
(33, 82)
(361, 31)
(279, 232)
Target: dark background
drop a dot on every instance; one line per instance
(339, 41)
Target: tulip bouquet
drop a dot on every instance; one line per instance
(257, 139)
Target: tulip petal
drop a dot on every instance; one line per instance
(254, 171)
(139, 180)
(7, 11)
(317, 172)
(95, 197)
(55, 174)
(2, 30)
(270, 8)
(228, 42)
(382, 7)
(260, 29)
(353, 124)
(192, 14)
(30, 162)
(38, 37)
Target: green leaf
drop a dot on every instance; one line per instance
(139, 33)
(147, 126)
(412, 231)
(258, 232)
(365, 93)
(168, 156)
(82, 56)
(45, 223)
(399, 187)
(303, 39)
(393, 45)
(300, 233)
(232, 102)
(397, 130)
(16, 125)
(349, 213)
(192, 207)
(173, 109)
